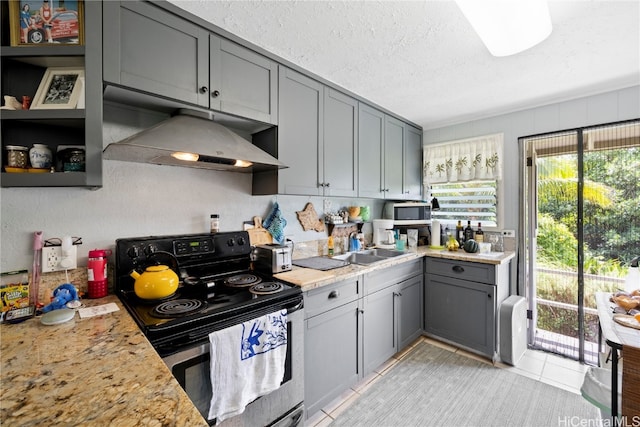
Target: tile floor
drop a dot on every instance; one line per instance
(548, 368)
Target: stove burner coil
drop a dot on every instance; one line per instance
(177, 308)
(242, 280)
(266, 288)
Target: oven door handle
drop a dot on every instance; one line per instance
(296, 307)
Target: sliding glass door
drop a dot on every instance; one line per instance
(581, 229)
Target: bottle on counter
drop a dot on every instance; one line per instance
(479, 234)
(330, 245)
(215, 223)
(460, 233)
(97, 273)
(468, 232)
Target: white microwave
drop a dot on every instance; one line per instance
(407, 213)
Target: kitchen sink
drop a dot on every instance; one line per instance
(369, 256)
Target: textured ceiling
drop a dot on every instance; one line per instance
(423, 61)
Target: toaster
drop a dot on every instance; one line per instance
(272, 258)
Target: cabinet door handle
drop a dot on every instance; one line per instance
(361, 311)
(204, 89)
(333, 294)
(215, 94)
(397, 294)
(457, 269)
(327, 184)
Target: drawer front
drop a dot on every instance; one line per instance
(464, 270)
(319, 300)
(380, 279)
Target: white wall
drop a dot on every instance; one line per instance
(141, 200)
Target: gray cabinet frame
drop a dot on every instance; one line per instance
(22, 68)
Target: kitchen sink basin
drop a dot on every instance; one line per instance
(369, 256)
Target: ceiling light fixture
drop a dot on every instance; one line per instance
(508, 27)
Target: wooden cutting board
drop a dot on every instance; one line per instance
(304, 276)
(626, 320)
(258, 235)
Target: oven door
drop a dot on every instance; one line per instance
(191, 368)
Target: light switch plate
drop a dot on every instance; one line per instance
(52, 259)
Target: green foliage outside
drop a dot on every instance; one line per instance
(611, 230)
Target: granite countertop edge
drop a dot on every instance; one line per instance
(353, 270)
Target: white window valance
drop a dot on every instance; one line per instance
(471, 159)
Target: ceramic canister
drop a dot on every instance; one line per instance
(40, 156)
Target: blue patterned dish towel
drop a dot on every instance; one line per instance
(247, 361)
(275, 223)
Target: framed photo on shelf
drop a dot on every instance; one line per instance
(46, 22)
(60, 88)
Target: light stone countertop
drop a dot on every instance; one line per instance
(94, 371)
(315, 278)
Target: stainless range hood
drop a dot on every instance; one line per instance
(192, 139)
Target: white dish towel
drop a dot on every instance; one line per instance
(247, 361)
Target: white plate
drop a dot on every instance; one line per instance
(56, 317)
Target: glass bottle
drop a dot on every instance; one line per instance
(479, 234)
(460, 233)
(468, 232)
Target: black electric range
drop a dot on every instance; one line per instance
(218, 287)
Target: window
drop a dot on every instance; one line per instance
(474, 201)
(465, 177)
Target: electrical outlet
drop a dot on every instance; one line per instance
(509, 233)
(52, 259)
(326, 206)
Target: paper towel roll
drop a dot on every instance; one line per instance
(435, 233)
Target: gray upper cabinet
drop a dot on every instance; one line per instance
(389, 156)
(370, 146)
(393, 158)
(339, 156)
(242, 82)
(317, 138)
(150, 50)
(412, 179)
(300, 109)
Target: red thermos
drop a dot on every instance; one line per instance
(97, 273)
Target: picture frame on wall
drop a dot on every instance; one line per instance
(60, 88)
(46, 22)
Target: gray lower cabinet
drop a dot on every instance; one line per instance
(317, 138)
(392, 311)
(333, 344)
(151, 50)
(461, 301)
